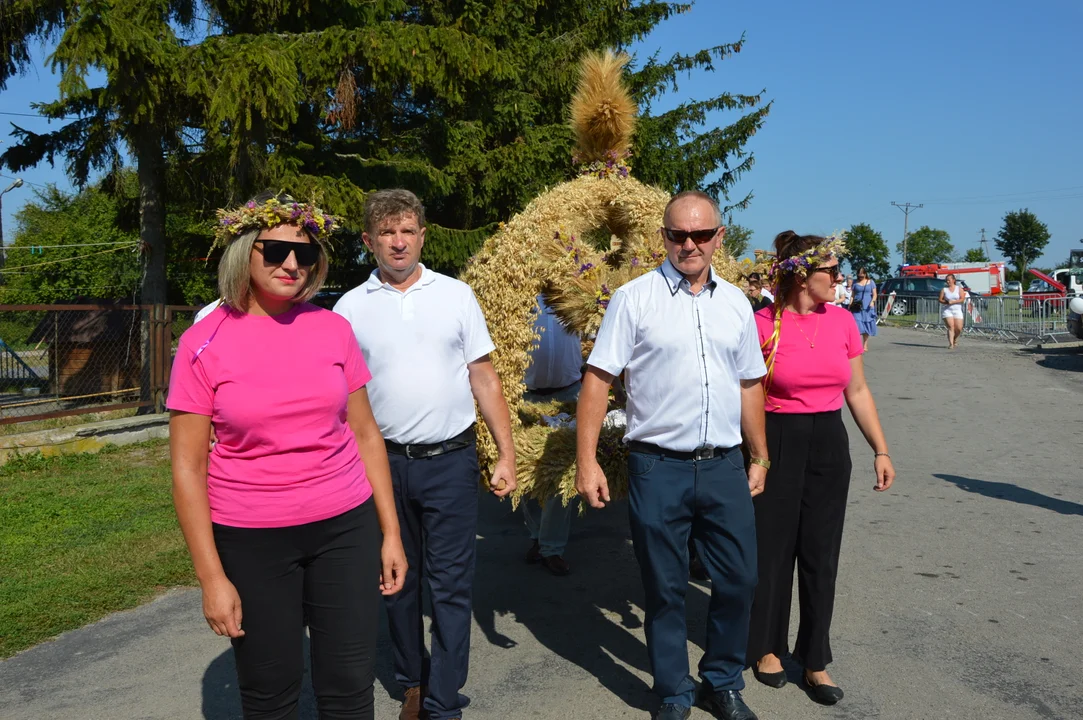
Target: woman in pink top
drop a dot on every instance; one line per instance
(813, 353)
(283, 517)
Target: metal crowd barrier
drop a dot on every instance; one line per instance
(1007, 317)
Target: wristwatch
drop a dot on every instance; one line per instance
(762, 462)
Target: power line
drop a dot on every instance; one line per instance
(1004, 195)
(11, 177)
(53, 262)
(8, 248)
(35, 115)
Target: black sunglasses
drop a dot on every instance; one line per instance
(832, 271)
(276, 252)
(677, 237)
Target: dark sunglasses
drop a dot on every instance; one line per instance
(678, 237)
(832, 271)
(276, 252)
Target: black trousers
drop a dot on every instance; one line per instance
(326, 572)
(437, 502)
(799, 518)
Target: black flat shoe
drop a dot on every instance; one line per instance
(825, 694)
(775, 679)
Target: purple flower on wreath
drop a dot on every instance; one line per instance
(227, 221)
(586, 268)
(635, 262)
(250, 205)
(327, 223)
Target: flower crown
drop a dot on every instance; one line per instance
(834, 245)
(272, 213)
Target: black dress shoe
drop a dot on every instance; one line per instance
(673, 711)
(533, 555)
(726, 705)
(825, 694)
(775, 679)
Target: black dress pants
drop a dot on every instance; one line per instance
(799, 519)
(326, 572)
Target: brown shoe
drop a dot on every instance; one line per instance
(556, 565)
(411, 705)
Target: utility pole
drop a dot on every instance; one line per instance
(985, 246)
(907, 208)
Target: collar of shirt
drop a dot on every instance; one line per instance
(677, 282)
(375, 283)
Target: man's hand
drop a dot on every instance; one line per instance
(503, 481)
(591, 484)
(757, 476)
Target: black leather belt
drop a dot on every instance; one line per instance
(704, 452)
(549, 391)
(427, 450)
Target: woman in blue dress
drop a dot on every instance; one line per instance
(863, 306)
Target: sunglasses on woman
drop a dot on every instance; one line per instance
(276, 252)
(832, 271)
(678, 237)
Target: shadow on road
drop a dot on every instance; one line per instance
(1012, 493)
(589, 617)
(1069, 359)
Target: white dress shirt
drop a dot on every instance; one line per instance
(685, 356)
(417, 344)
(557, 360)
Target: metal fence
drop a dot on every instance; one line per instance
(1007, 317)
(58, 360)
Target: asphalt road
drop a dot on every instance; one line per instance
(959, 594)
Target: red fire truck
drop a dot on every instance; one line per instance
(980, 278)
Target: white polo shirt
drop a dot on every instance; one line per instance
(685, 355)
(417, 344)
(557, 360)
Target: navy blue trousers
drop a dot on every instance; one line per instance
(437, 502)
(709, 499)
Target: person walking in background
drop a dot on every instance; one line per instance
(425, 338)
(687, 342)
(813, 353)
(555, 373)
(284, 517)
(863, 306)
(952, 298)
(758, 295)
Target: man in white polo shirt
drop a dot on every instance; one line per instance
(689, 346)
(425, 341)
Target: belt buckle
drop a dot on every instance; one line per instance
(704, 452)
(409, 456)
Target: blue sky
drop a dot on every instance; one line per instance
(972, 109)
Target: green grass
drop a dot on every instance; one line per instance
(82, 536)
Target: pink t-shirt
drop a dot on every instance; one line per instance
(275, 389)
(811, 369)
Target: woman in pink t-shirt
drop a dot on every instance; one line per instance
(813, 353)
(283, 517)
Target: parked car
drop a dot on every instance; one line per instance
(908, 289)
(1014, 287)
(1075, 317)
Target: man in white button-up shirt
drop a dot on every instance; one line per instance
(425, 341)
(688, 345)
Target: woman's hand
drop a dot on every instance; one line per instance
(222, 607)
(885, 473)
(393, 565)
